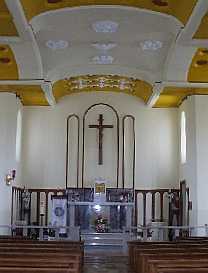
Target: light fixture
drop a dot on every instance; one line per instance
(59, 44)
(97, 208)
(102, 59)
(104, 46)
(9, 178)
(151, 45)
(105, 26)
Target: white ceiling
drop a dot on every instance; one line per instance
(75, 26)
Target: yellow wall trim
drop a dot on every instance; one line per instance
(30, 95)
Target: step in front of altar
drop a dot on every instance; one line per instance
(103, 239)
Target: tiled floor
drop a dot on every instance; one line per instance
(106, 264)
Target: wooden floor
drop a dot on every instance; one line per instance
(106, 264)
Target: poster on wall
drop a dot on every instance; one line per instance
(59, 212)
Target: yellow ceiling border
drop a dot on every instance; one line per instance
(102, 83)
(182, 9)
(8, 64)
(8, 27)
(202, 31)
(173, 96)
(198, 71)
(29, 95)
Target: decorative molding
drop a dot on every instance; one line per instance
(123, 149)
(67, 147)
(48, 90)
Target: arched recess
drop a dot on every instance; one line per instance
(128, 156)
(68, 157)
(84, 138)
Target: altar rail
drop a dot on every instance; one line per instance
(150, 205)
(135, 233)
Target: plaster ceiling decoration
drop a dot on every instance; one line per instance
(164, 43)
(174, 96)
(8, 65)
(7, 26)
(180, 9)
(103, 83)
(102, 59)
(202, 32)
(120, 59)
(54, 45)
(104, 46)
(198, 71)
(105, 26)
(29, 95)
(151, 45)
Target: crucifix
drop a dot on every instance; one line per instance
(100, 127)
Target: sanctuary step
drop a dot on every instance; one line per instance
(106, 264)
(98, 242)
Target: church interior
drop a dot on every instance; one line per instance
(103, 136)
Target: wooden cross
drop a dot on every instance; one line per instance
(100, 127)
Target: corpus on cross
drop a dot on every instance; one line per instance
(100, 127)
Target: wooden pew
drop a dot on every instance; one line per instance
(136, 247)
(40, 256)
(142, 253)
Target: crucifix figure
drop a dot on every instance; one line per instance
(100, 127)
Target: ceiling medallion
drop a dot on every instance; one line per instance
(160, 3)
(105, 26)
(104, 46)
(102, 59)
(151, 45)
(82, 83)
(59, 44)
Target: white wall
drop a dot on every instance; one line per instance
(195, 170)
(8, 118)
(202, 158)
(188, 170)
(44, 140)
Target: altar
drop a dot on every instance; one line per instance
(97, 210)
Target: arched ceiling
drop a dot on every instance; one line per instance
(159, 47)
